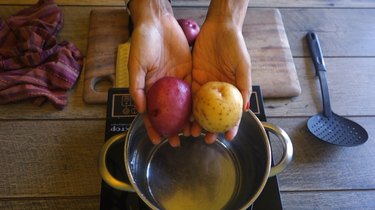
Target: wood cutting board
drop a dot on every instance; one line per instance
(272, 63)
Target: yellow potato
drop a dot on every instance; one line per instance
(217, 106)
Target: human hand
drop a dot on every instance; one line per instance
(220, 54)
(159, 48)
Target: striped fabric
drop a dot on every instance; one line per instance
(33, 65)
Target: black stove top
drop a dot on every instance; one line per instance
(120, 113)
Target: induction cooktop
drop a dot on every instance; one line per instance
(120, 114)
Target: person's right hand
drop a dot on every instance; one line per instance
(159, 48)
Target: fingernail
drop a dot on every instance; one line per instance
(137, 108)
(247, 106)
(175, 144)
(155, 141)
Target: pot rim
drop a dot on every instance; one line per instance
(268, 167)
(249, 203)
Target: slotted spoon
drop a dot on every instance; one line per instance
(328, 126)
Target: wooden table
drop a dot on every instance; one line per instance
(48, 158)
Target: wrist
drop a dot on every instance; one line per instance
(148, 10)
(232, 11)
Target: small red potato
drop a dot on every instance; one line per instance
(169, 105)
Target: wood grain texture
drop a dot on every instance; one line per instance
(351, 85)
(328, 200)
(348, 97)
(320, 166)
(341, 32)
(80, 203)
(50, 158)
(340, 36)
(253, 3)
(58, 158)
(341, 72)
(288, 3)
(271, 59)
(108, 28)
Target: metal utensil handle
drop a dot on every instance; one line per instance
(320, 70)
(106, 175)
(287, 148)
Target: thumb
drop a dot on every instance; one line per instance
(243, 83)
(137, 77)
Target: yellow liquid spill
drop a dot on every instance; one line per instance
(214, 192)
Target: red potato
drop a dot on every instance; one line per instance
(169, 105)
(190, 28)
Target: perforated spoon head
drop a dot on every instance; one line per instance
(337, 130)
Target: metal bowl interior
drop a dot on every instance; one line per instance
(223, 175)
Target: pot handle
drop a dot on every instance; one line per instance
(287, 148)
(106, 175)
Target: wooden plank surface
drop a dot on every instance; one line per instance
(107, 29)
(347, 97)
(342, 32)
(337, 200)
(58, 158)
(339, 69)
(253, 3)
(272, 63)
(318, 166)
(340, 73)
(49, 157)
(264, 33)
(341, 36)
(83, 203)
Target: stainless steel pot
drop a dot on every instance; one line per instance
(223, 175)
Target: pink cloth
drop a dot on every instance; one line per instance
(32, 64)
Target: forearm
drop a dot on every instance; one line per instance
(148, 10)
(228, 10)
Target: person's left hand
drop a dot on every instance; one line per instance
(220, 54)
